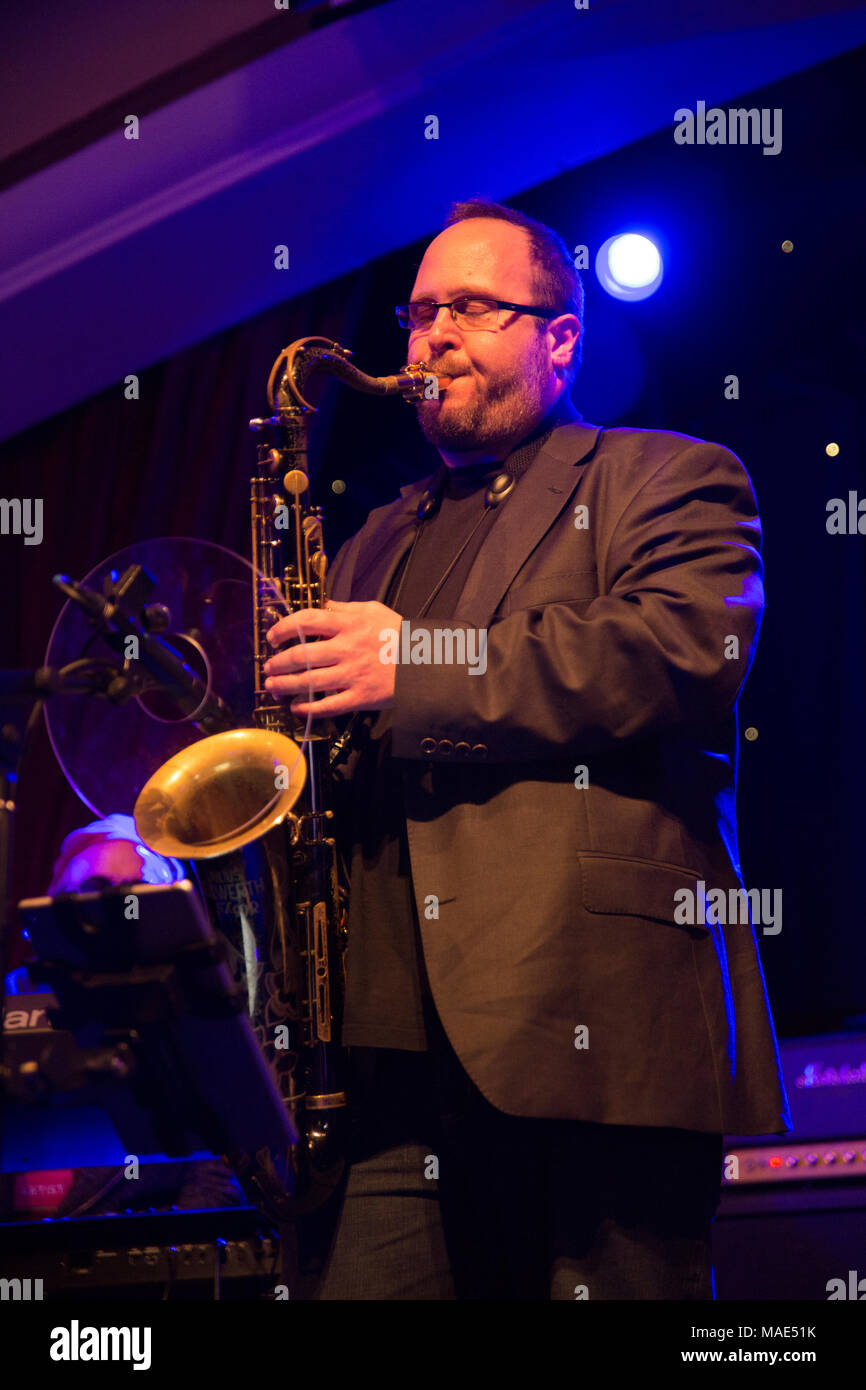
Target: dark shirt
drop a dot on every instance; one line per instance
(388, 999)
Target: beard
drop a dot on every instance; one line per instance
(503, 408)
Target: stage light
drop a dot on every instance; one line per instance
(629, 266)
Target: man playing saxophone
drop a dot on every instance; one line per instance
(545, 1053)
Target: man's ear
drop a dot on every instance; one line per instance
(564, 333)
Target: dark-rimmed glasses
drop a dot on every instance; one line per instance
(467, 311)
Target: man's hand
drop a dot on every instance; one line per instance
(346, 660)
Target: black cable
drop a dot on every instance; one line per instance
(430, 503)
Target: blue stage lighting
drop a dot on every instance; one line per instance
(629, 266)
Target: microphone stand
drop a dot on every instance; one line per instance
(124, 617)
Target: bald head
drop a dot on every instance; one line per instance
(500, 380)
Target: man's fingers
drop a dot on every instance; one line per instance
(328, 678)
(303, 657)
(341, 703)
(312, 622)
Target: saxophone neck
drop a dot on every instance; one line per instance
(305, 356)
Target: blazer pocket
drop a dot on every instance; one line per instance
(569, 586)
(612, 884)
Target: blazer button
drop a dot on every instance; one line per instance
(446, 747)
(462, 749)
(479, 750)
(428, 746)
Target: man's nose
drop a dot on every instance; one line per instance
(443, 331)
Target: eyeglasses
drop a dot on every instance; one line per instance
(467, 312)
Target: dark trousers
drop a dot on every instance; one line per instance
(447, 1197)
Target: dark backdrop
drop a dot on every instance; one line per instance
(176, 461)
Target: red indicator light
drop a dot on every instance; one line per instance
(775, 1161)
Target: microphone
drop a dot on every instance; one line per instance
(500, 488)
(162, 663)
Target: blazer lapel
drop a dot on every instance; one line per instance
(543, 492)
(541, 495)
(384, 546)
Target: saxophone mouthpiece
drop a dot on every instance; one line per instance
(413, 381)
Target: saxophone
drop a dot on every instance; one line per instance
(251, 809)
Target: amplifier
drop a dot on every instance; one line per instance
(825, 1078)
(784, 1162)
(791, 1223)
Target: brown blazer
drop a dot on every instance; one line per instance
(618, 640)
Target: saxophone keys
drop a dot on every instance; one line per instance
(296, 482)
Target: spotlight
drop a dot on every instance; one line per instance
(629, 266)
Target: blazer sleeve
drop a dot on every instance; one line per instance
(668, 644)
